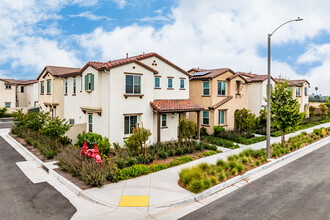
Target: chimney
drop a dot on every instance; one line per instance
(126, 55)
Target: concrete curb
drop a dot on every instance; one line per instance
(237, 179)
(188, 199)
(57, 176)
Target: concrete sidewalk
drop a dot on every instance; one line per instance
(165, 197)
(162, 186)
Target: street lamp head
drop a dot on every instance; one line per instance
(299, 19)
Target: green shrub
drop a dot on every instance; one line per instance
(103, 143)
(93, 174)
(213, 180)
(206, 183)
(227, 173)
(163, 155)
(234, 171)
(204, 167)
(252, 165)
(195, 186)
(218, 129)
(222, 177)
(244, 160)
(134, 171)
(220, 163)
(240, 168)
(50, 154)
(187, 175)
(258, 163)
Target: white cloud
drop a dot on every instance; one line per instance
(121, 3)
(216, 33)
(89, 15)
(315, 53)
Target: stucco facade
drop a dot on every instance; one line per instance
(234, 98)
(106, 107)
(18, 94)
(300, 91)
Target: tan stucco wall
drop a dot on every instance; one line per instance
(7, 95)
(56, 95)
(75, 130)
(237, 102)
(302, 99)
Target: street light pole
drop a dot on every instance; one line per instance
(269, 86)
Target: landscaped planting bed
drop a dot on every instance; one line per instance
(239, 137)
(219, 142)
(204, 176)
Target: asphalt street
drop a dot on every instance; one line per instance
(299, 190)
(20, 198)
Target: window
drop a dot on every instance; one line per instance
(163, 120)
(89, 82)
(7, 104)
(74, 85)
(133, 84)
(222, 88)
(221, 117)
(297, 91)
(54, 112)
(206, 88)
(181, 83)
(157, 82)
(42, 87)
(306, 91)
(206, 117)
(129, 123)
(49, 86)
(8, 86)
(90, 122)
(170, 83)
(66, 86)
(22, 89)
(71, 121)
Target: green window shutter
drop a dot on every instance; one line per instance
(86, 82)
(92, 82)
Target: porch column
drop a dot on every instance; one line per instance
(158, 126)
(198, 126)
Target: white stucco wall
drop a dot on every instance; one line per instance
(257, 95)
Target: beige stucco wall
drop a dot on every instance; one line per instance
(302, 99)
(75, 130)
(56, 95)
(29, 97)
(108, 94)
(257, 95)
(7, 95)
(237, 102)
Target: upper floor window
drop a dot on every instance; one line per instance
(89, 82)
(22, 89)
(66, 86)
(8, 86)
(90, 122)
(170, 83)
(206, 117)
(298, 91)
(181, 83)
(74, 85)
(157, 82)
(133, 84)
(42, 87)
(129, 123)
(7, 104)
(49, 86)
(221, 88)
(306, 91)
(206, 88)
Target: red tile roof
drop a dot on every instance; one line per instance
(137, 59)
(19, 82)
(212, 73)
(221, 102)
(175, 105)
(60, 71)
(254, 77)
(296, 83)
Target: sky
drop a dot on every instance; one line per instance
(190, 33)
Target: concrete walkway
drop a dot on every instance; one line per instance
(161, 187)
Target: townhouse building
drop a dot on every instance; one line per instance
(257, 91)
(18, 94)
(221, 92)
(110, 98)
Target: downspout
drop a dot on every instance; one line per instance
(108, 103)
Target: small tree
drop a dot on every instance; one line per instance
(19, 117)
(244, 120)
(312, 110)
(323, 108)
(284, 109)
(187, 130)
(327, 103)
(55, 128)
(138, 138)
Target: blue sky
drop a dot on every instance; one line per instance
(190, 33)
